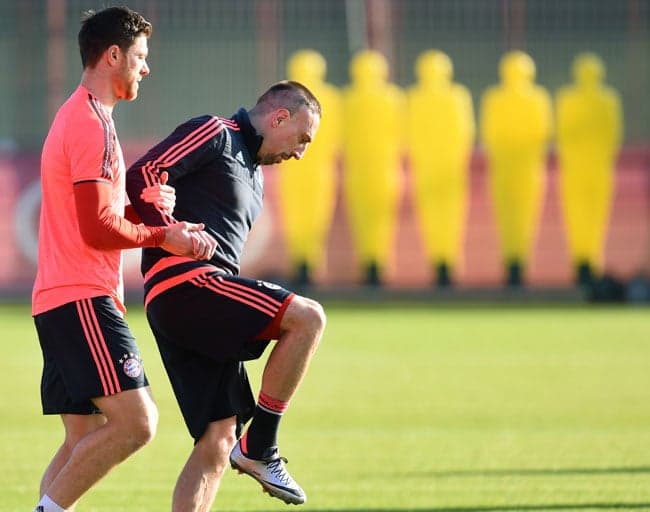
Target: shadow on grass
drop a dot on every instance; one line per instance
(620, 505)
(473, 473)
(521, 507)
(506, 508)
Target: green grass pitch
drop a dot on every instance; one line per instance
(423, 408)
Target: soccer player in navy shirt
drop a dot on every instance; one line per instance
(206, 318)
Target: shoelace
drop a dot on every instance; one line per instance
(277, 468)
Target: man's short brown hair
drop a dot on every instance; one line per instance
(114, 25)
(290, 95)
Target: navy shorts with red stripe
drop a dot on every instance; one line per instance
(88, 352)
(205, 328)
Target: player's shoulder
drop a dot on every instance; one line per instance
(83, 103)
(210, 123)
(230, 124)
(81, 116)
(197, 129)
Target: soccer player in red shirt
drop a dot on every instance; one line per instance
(93, 375)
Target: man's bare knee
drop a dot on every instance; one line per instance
(306, 315)
(135, 432)
(317, 316)
(79, 426)
(143, 429)
(134, 416)
(217, 442)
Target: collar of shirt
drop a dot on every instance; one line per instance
(252, 139)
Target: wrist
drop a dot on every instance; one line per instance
(158, 236)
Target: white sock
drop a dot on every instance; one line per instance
(47, 505)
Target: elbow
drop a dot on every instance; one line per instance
(95, 231)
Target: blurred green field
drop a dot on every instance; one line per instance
(423, 408)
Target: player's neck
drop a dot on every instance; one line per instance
(100, 86)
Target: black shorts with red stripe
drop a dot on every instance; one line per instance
(205, 327)
(88, 352)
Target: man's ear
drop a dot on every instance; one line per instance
(112, 54)
(281, 115)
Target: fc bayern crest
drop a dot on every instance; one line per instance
(132, 365)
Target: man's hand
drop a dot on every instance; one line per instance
(204, 245)
(187, 239)
(161, 195)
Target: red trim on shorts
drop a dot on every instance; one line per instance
(165, 285)
(164, 263)
(98, 347)
(272, 330)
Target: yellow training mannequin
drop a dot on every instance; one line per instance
(372, 149)
(515, 127)
(307, 187)
(589, 131)
(440, 132)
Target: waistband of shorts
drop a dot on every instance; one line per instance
(172, 271)
(165, 263)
